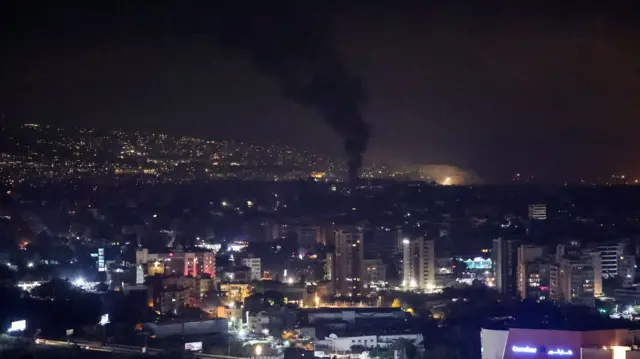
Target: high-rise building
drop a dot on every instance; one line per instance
(538, 211)
(610, 255)
(577, 279)
(255, 264)
(526, 274)
(627, 269)
(328, 266)
(418, 264)
(349, 257)
(505, 263)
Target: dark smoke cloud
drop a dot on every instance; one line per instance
(290, 41)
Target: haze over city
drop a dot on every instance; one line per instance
(538, 88)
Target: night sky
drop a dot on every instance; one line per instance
(535, 88)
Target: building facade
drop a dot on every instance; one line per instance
(178, 262)
(527, 278)
(577, 279)
(418, 264)
(538, 212)
(256, 267)
(610, 254)
(505, 263)
(375, 271)
(348, 262)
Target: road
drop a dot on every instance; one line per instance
(117, 349)
(98, 347)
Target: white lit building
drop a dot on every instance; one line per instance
(418, 264)
(610, 254)
(256, 267)
(334, 344)
(538, 211)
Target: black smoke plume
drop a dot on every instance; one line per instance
(290, 41)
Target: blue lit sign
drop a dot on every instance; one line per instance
(525, 349)
(559, 352)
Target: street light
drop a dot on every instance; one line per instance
(405, 241)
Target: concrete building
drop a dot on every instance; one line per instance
(627, 269)
(537, 211)
(525, 277)
(236, 274)
(505, 262)
(419, 264)
(329, 266)
(184, 328)
(178, 262)
(348, 264)
(236, 292)
(271, 320)
(172, 299)
(537, 280)
(256, 267)
(576, 279)
(610, 255)
(375, 271)
(572, 248)
(333, 344)
(629, 295)
(350, 316)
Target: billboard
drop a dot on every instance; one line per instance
(193, 347)
(17, 326)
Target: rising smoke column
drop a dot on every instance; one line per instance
(289, 41)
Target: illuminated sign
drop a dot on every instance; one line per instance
(194, 347)
(18, 326)
(525, 349)
(559, 352)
